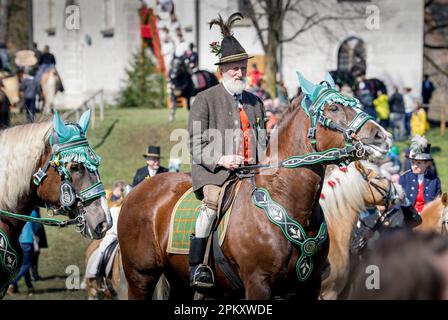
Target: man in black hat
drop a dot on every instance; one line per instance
(420, 183)
(227, 129)
(152, 167)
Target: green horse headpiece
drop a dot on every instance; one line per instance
(70, 144)
(314, 91)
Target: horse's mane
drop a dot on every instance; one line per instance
(289, 112)
(343, 190)
(20, 149)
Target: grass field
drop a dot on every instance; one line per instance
(120, 140)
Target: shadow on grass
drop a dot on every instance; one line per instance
(108, 132)
(52, 277)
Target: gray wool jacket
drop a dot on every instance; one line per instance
(215, 130)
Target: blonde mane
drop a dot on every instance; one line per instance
(343, 190)
(20, 149)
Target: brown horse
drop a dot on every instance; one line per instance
(258, 252)
(47, 164)
(345, 193)
(435, 215)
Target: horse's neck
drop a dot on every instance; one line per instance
(341, 226)
(297, 190)
(432, 216)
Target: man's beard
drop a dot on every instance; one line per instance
(234, 86)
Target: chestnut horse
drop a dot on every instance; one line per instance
(47, 164)
(257, 250)
(435, 215)
(346, 192)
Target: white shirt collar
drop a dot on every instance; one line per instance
(152, 172)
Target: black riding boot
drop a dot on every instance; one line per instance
(201, 275)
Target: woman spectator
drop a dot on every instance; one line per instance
(382, 109)
(26, 243)
(419, 121)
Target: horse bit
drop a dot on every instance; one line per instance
(291, 229)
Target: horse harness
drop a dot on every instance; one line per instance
(61, 154)
(291, 229)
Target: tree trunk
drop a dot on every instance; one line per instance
(4, 5)
(271, 68)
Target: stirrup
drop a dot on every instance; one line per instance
(202, 268)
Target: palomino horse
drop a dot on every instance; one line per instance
(259, 253)
(346, 192)
(111, 290)
(48, 164)
(435, 215)
(50, 84)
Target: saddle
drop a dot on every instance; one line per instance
(103, 270)
(226, 197)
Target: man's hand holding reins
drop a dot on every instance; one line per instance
(231, 161)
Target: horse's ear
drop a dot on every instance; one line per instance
(85, 120)
(445, 199)
(60, 127)
(307, 86)
(329, 79)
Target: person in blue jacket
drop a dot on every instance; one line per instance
(26, 243)
(420, 183)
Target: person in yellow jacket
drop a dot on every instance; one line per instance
(419, 121)
(381, 104)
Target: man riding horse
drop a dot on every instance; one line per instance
(222, 108)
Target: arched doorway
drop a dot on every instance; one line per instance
(352, 57)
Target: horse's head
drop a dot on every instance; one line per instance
(69, 182)
(337, 120)
(178, 66)
(381, 191)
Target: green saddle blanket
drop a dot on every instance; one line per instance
(183, 221)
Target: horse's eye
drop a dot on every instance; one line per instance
(333, 107)
(75, 166)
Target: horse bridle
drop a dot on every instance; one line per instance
(315, 112)
(69, 198)
(389, 195)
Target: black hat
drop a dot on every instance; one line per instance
(420, 149)
(230, 50)
(153, 152)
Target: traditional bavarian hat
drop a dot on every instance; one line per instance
(420, 149)
(230, 50)
(153, 152)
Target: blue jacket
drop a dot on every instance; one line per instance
(26, 236)
(431, 185)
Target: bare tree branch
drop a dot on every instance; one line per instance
(314, 23)
(436, 27)
(435, 47)
(434, 64)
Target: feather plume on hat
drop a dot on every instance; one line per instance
(420, 149)
(226, 27)
(418, 144)
(229, 50)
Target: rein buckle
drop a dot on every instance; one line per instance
(39, 176)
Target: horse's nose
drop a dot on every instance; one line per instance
(379, 136)
(101, 228)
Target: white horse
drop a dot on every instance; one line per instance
(345, 193)
(49, 83)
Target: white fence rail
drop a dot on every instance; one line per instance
(95, 101)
